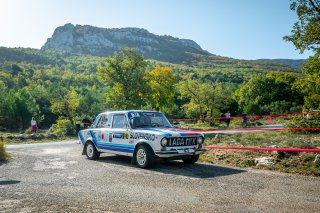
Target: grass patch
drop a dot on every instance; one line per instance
(39, 137)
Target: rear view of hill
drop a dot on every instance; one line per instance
(105, 42)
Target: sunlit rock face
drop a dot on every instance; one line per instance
(105, 42)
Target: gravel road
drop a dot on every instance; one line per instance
(55, 177)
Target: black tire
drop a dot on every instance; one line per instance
(192, 159)
(144, 157)
(91, 151)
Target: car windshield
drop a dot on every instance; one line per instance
(148, 120)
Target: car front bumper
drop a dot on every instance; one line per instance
(179, 152)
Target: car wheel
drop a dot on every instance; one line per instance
(144, 157)
(191, 159)
(91, 151)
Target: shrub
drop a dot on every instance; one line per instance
(63, 127)
(307, 157)
(3, 154)
(28, 131)
(305, 122)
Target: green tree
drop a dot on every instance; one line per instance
(27, 107)
(123, 73)
(306, 31)
(310, 84)
(306, 35)
(67, 105)
(40, 98)
(204, 98)
(261, 92)
(161, 82)
(8, 109)
(92, 102)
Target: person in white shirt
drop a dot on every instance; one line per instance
(34, 126)
(228, 118)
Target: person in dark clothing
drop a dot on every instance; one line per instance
(86, 122)
(244, 120)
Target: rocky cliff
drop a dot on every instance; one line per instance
(104, 42)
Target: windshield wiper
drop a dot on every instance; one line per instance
(139, 126)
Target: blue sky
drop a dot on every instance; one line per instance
(243, 29)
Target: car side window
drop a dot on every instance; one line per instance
(109, 120)
(119, 121)
(105, 121)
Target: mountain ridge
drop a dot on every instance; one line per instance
(103, 42)
(294, 63)
(86, 39)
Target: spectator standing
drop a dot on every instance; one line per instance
(228, 118)
(34, 126)
(86, 122)
(244, 120)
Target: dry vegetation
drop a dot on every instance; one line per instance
(3, 154)
(301, 163)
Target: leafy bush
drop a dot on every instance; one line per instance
(252, 109)
(63, 127)
(308, 157)
(279, 107)
(305, 122)
(3, 154)
(28, 131)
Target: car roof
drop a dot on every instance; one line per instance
(126, 111)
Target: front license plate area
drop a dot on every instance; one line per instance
(182, 141)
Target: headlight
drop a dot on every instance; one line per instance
(163, 142)
(200, 140)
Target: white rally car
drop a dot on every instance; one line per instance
(143, 135)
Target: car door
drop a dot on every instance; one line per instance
(119, 136)
(100, 131)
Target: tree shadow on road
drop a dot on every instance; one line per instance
(8, 182)
(197, 170)
(2, 162)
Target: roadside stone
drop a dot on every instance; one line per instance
(264, 161)
(22, 137)
(10, 137)
(37, 136)
(220, 156)
(281, 154)
(317, 159)
(276, 152)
